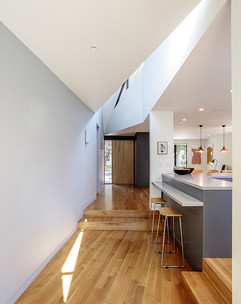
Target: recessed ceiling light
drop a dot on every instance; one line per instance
(93, 48)
(184, 119)
(231, 91)
(201, 109)
(208, 134)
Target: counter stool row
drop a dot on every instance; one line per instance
(166, 213)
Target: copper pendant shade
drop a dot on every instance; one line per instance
(224, 148)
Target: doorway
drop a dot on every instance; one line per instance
(108, 161)
(119, 162)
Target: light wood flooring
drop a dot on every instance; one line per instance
(114, 266)
(121, 197)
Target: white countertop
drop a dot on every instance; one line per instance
(203, 181)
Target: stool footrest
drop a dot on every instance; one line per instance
(174, 266)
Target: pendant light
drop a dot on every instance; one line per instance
(224, 148)
(200, 148)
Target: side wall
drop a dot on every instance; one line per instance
(224, 158)
(236, 105)
(48, 173)
(194, 143)
(161, 129)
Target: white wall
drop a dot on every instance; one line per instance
(190, 144)
(161, 129)
(236, 106)
(47, 172)
(224, 158)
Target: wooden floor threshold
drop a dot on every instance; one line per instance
(131, 226)
(116, 213)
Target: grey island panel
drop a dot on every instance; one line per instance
(190, 190)
(217, 225)
(192, 222)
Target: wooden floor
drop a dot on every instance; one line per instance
(121, 197)
(105, 267)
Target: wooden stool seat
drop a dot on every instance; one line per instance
(158, 200)
(169, 211)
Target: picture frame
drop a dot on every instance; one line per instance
(162, 147)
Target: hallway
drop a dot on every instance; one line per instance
(114, 266)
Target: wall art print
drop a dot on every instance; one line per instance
(209, 153)
(196, 156)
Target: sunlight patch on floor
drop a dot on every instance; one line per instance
(66, 282)
(69, 266)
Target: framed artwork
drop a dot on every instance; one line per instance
(162, 147)
(209, 154)
(196, 156)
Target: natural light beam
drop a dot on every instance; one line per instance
(66, 281)
(70, 262)
(69, 267)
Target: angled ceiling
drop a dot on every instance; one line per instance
(204, 81)
(125, 33)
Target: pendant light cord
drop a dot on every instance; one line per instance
(224, 134)
(200, 135)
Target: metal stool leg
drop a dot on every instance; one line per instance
(180, 222)
(163, 240)
(174, 245)
(149, 223)
(168, 233)
(153, 220)
(173, 234)
(158, 225)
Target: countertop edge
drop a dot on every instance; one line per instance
(195, 185)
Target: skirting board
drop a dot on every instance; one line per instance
(25, 285)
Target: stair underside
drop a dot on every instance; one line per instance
(199, 289)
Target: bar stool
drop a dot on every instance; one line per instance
(166, 213)
(155, 201)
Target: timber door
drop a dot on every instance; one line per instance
(123, 161)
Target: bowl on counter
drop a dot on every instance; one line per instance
(183, 171)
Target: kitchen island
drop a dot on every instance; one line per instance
(205, 201)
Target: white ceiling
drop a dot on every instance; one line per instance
(125, 32)
(204, 81)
